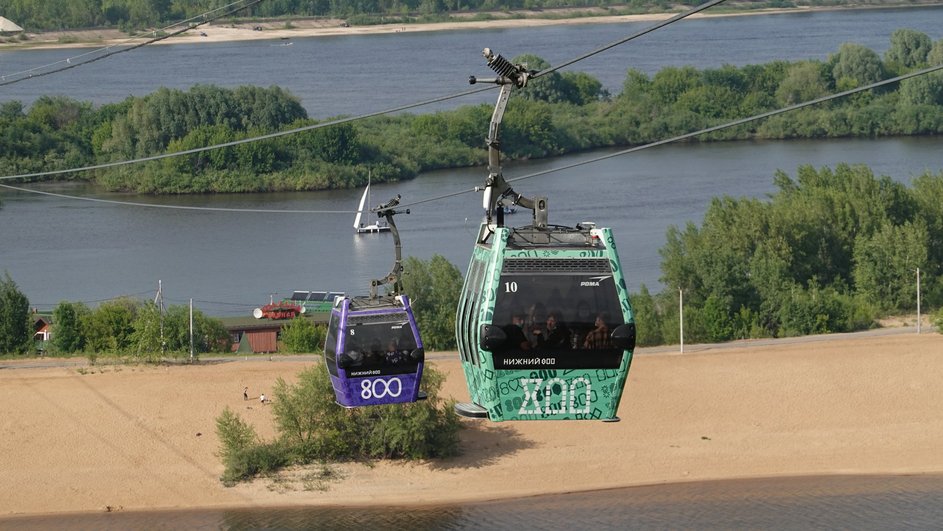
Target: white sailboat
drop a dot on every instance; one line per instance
(359, 227)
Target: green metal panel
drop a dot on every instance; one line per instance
(547, 393)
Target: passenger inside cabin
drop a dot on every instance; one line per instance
(394, 356)
(598, 337)
(515, 331)
(375, 353)
(554, 334)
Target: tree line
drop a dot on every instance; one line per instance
(831, 251)
(555, 114)
(44, 15)
(122, 328)
(140, 330)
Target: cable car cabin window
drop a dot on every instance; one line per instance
(559, 319)
(472, 307)
(330, 347)
(382, 342)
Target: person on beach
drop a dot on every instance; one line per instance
(245, 393)
(262, 398)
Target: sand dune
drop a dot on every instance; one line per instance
(132, 438)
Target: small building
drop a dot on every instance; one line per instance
(259, 336)
(7, 27)
(42, 326)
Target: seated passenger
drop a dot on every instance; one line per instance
(393, 355)
(598, 337)
(515, 332)
(554, 335)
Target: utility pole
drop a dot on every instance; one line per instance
(159, 301)
(191, 330)
(681, 317)
(918, 300)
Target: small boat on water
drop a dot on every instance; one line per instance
(359, 226)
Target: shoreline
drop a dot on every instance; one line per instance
(307, 28)
(126, 438)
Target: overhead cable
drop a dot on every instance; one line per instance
(29, 74)
(734, 123)
(698, 132)
(624, 40)
(243, 140)
(363, 116)
(528, 176)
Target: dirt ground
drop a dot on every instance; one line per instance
(75, 439)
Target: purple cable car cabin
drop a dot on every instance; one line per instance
(373, 351)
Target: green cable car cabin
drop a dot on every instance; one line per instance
(544, 325)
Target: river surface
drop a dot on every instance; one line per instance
(839, 502)
(59, 249)
(358, 74)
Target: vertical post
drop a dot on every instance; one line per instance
(918, 300)
(191, 330)
(160, 295)
(681, 317)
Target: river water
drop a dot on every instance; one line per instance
(835, 502)
(61, 249)
(367, 73)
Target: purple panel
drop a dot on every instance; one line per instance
(377, 390)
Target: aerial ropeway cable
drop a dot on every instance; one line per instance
(204, 18)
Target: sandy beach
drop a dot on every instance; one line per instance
(91, 439)
(325, 27)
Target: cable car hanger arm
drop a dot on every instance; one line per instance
(510, 76)
(387, 211)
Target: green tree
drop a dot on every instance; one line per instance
(147, 338)
(550, 88)
(67, 333)
(109, 327)
(15, 327)
(670, 83)
(209, 335)
(647, 318)
(301, 335)
(855, 65)
(909, 48)
(583, 88)
(935, 56)
(922, 90)
(803, 82)
(886, 264)
(433, 288)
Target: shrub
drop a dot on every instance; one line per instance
(312, 427)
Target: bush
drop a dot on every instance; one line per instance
(301, 335)
(312, 427)
(15, 329)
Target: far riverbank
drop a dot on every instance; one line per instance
(324, 27)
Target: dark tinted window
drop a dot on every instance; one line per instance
(379, 341)
(330, 344)
(557, 312)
